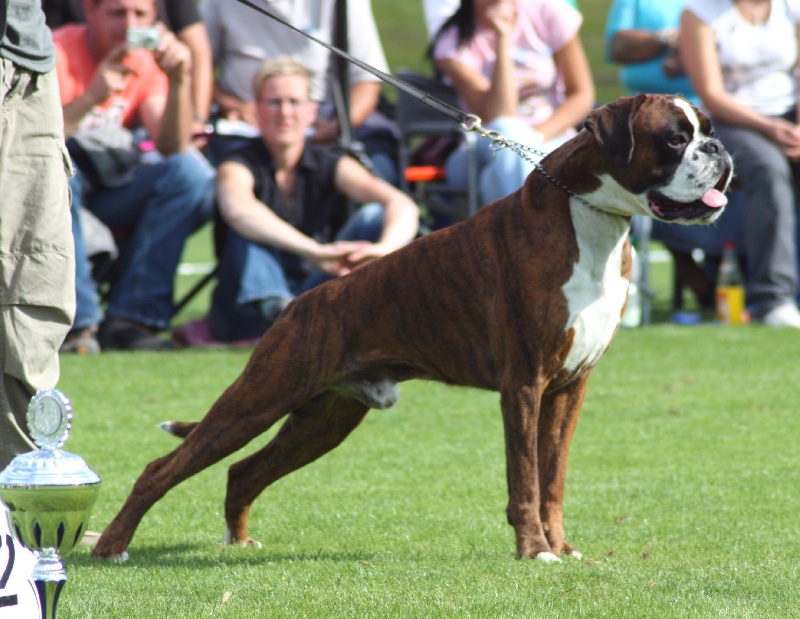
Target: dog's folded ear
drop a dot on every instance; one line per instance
(607, 122)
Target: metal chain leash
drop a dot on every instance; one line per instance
(521, 150)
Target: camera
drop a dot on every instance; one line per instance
(144, 38)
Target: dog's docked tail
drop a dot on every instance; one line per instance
(180, 429)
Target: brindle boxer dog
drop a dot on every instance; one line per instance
(523, 298)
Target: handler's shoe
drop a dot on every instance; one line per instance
(786, 315)
(81, 341)
(120, 334)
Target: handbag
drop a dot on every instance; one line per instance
(106, 156)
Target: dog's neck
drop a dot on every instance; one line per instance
(565, 168)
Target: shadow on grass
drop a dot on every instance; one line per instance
(188, 556)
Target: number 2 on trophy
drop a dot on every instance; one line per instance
(7, 600)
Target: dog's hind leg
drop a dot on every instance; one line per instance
(307, 434)
(521, 407)
(233, 421)
(557, 421)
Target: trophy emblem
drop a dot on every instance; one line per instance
(48, 495)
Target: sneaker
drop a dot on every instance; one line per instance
(786, 315)
(120, 334)
(81, 342)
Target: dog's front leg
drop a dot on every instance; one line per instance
(521, 407)
(557, 420)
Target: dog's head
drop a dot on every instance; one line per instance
(664, 158)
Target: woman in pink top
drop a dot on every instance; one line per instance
(520, 66)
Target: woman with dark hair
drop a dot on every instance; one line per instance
(520, 66)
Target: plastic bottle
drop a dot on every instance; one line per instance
(632, 316)
(730, 294)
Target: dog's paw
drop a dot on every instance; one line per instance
(248, 542)
(119, 557)
(547, 557)
(575, 554)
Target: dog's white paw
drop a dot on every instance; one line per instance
(249, 542)
(121, 557)
(575, 554)
(547, 557)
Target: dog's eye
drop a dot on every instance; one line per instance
(678, 140)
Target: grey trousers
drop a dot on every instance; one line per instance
(769, 218)
(37, 252)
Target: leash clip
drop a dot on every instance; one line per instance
(473, 123)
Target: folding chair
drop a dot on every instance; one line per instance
(423, 148)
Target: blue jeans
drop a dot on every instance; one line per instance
(162, 206)
(769, 220)
(500, 172)
(250, 273)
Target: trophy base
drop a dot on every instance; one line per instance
(49, 591)
(49, 577)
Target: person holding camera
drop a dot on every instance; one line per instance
(181, 17)
(109, 87)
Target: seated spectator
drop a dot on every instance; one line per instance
(105, 90)
(282, 201)
(520, 66)
(437, 11)
(642, 36)
(241, 40)
(181, 17)
(750, 91)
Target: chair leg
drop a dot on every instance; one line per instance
(688, 272)
(195, 290)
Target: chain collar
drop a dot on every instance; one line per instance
(473, 123)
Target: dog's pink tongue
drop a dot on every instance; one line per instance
(714, 199)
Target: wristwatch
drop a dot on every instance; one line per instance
(667, 36)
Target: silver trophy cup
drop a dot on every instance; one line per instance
(48, 495)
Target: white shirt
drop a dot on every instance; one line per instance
(757, 61)
(242, 39)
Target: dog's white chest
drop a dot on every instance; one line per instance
(597, 290)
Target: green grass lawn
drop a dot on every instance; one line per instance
(681, 493)
(682, 490)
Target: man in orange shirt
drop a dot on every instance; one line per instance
(105, 86)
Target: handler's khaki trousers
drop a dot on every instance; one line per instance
(37, 264)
